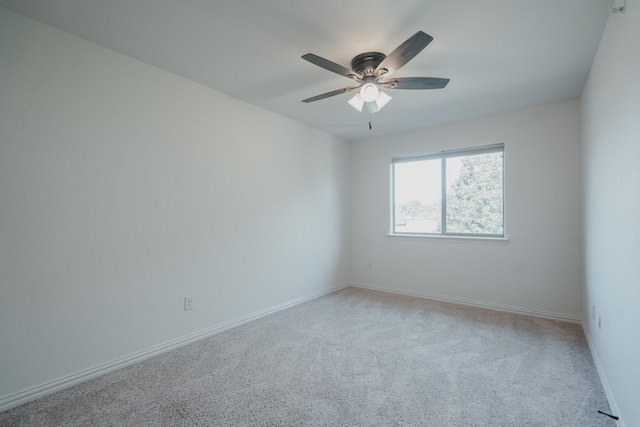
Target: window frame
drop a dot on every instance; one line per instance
(443, 156)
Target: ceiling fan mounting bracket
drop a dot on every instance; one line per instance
(366, 63)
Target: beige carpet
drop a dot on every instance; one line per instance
(351, 358)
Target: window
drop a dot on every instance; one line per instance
(451, 193)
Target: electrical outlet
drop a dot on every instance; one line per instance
(593, 312)
(368, 266)
(188, 303)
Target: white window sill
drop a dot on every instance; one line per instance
(451, 239)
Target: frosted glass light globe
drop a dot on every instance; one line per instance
(369, 92)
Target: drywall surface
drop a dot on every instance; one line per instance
(611, 147)
(124, 189)
(538, 271)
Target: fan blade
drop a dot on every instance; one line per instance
(404, 53)
(328, 65)
(329, 94)
(415, 83)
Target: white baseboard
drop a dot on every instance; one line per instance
(603, 378)
(472, 303)
(33, 393)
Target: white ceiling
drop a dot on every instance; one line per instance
(499, 54)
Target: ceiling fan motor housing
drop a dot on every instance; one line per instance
(366, 63)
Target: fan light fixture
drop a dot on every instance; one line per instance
(369, 92)
(380, 100)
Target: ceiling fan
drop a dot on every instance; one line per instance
(372, 70)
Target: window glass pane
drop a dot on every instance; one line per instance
(474, 194)
(417, 196)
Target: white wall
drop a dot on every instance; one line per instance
(611, 147)
(539, 271)
(124, 188)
